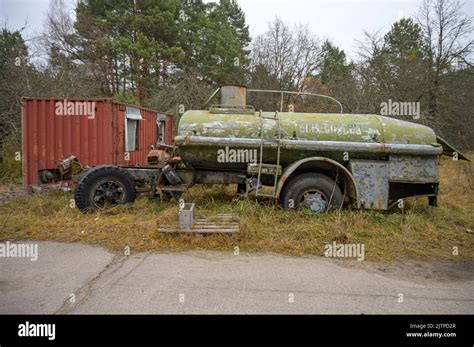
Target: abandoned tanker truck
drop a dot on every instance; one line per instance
(318, 161)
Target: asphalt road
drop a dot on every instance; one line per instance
(78, 278)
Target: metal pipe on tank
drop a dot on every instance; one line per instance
(311, 145)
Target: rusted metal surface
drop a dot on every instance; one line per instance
(234, 95)
(49, 135)
(142, 173)
(416, 169)
(69, 166)
(371, 179)
(158, 157)
(374, 179)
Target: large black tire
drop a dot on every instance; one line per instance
(313, 191)
(103, 186)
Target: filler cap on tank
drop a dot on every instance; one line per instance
(233, 95)
(233, 100)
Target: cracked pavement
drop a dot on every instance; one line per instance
(70, 278)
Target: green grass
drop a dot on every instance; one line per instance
(418, 232)
(10, 167)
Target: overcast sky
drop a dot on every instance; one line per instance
(342, 21)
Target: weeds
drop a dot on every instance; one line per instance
(420, 231)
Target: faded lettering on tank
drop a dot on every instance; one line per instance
(331, 128)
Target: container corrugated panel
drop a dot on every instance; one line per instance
(48, 135)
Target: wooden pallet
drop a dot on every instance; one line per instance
(226, 223)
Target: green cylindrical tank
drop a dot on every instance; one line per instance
(229, 136)
(212, 139)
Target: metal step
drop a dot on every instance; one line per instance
(266, 169)
(226, 223)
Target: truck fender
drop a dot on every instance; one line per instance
(346, 174)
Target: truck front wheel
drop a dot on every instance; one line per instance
(315, 192)
(104, 186)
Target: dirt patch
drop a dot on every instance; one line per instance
(422, 272)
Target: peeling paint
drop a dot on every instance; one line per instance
(378, 149)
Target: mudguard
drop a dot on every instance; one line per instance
(448, 149)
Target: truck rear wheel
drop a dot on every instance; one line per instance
(315, 192)
(104, 186)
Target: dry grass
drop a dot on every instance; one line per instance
(419, 232)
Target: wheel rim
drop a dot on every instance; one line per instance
(108, 192)
(315, 201)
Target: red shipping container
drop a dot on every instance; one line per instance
(96, 131)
